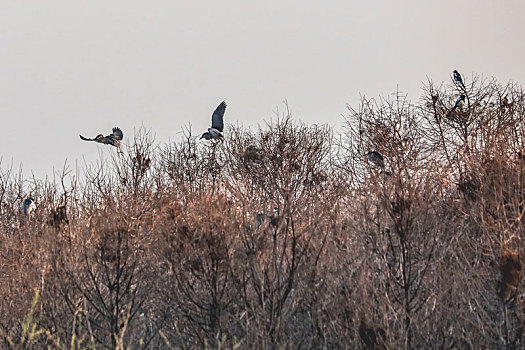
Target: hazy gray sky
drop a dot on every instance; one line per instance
(70, 67)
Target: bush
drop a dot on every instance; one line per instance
(284, 237)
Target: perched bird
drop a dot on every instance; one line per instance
(58, 217)
(28, 206)
(372, 337)
(275, 218)
(111, 139)
(460, 102)
(252, 153)
(217, 124)
(376, 158)
(260, 218)
(457, 77)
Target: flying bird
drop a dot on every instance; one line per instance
(217, 123)
(376, 158)
(111, 139)
(457, 77)
(28, 206)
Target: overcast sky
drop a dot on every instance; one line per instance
(70, 67)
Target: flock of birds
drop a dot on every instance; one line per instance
(377, 158)
(215, 132)
(115, 138)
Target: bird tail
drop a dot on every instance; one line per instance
(84, 138)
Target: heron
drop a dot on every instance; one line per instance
(112, 139)
(217, 123)
(376, 158)
(457, 77)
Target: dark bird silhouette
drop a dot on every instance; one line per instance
(372, 338)
(457, 77)
(217, 123)
(58, 217)
(275, 218)
(376, 158)
(252, 154)
(111, 139)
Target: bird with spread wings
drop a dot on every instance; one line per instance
(112, 139)
(217, 123)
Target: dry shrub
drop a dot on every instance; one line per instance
(510, 268)
(283, 237)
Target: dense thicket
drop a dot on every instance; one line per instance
(284, 237)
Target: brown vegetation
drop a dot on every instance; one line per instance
(510, 274)
(286, 237)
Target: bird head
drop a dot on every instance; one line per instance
(373, 155)
(205, 136)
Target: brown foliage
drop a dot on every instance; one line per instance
(284, 237)
(510, 268)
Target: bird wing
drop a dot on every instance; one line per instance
(379, 160)
(85, 138)
(117, 133)
(216, 118)
(379, 156)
